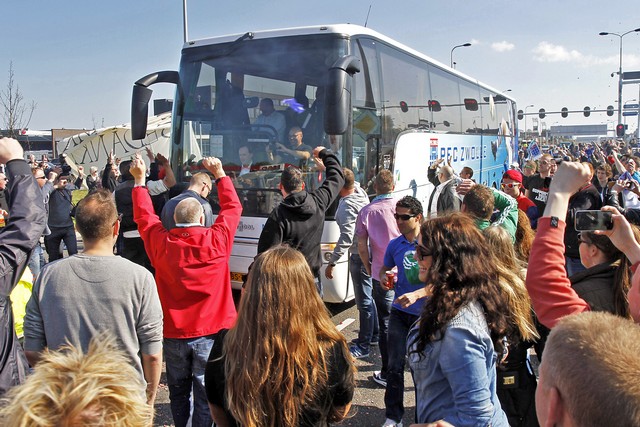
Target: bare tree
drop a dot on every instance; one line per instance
(16, 114)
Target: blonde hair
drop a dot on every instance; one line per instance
(592, 358)
(511, 275)
(276, 354)
(69, 388)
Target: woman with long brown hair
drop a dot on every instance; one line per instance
(454, 346)
(524, 237)
(284, 363)
(516, 386)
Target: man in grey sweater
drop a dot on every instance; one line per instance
(77, 298)
(354, 198)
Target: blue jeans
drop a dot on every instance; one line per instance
(400, 323)
(363, 292)
(186, 361)
(383, 299)
(36, 262)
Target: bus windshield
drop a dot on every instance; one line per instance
(256, 105)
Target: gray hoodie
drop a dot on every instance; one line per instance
(346, 216)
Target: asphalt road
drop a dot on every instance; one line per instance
(368, 402)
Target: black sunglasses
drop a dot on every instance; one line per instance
(422, 253)
(582, 240)
(403, 217)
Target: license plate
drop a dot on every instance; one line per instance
(237, 277)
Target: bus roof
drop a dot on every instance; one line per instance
(344, 29)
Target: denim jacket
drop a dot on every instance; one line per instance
(455, 376)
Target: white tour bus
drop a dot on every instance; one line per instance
(375, 102)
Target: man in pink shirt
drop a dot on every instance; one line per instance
(375, 227)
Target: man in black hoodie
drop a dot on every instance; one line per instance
(299, 219)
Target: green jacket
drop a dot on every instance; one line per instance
(508, 217)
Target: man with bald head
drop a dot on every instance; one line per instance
(443, 198)
(192, 274)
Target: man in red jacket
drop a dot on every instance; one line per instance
(192, 275)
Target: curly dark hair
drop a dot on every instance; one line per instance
(411, 203)
(460, 274)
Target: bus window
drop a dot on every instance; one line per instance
(367, 111)
(471, 120)
(404, 79)
(445, 90)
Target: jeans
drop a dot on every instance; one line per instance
(383, 299)
(133, 250)
(400, 323)
(52, 242)
(186, 361)
(363, 292)
(36, 262)
(573, 266)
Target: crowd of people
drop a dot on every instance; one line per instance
(460, 289)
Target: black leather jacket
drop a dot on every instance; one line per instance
(17, 240)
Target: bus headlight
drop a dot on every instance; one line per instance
(327, 249)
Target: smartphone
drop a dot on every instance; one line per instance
(625, 175)
(593, 220)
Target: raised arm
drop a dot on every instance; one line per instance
(547, 282)
(28, 217)
(334, 180)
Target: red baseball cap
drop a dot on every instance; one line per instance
(514, 175)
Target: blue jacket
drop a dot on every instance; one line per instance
(455, 376)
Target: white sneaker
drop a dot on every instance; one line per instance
(391, 423)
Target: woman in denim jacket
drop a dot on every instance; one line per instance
(452, 348)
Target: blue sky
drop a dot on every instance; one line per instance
(78, 59)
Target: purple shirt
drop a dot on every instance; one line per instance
(376, 222)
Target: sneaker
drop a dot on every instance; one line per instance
(374, 341)
(357, 352)
(377, 377)
(391, 423)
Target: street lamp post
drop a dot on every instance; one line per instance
(454, 48)
(525, 119)
(604, 33)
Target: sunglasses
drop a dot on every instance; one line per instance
(515, 184)
(582, 240)
(421, 253)
(403, 217)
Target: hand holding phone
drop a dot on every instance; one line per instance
(593, 220)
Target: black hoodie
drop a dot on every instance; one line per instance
(299, 219)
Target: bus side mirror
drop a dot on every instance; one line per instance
(141, 96)
(338, 95)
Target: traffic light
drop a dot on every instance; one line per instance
(434, 105)
(620, 130)
(520, 114)
(541, 113)
(610, 110)
(587, 111)
(470, 104)
(404, 107)
(565, 112)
